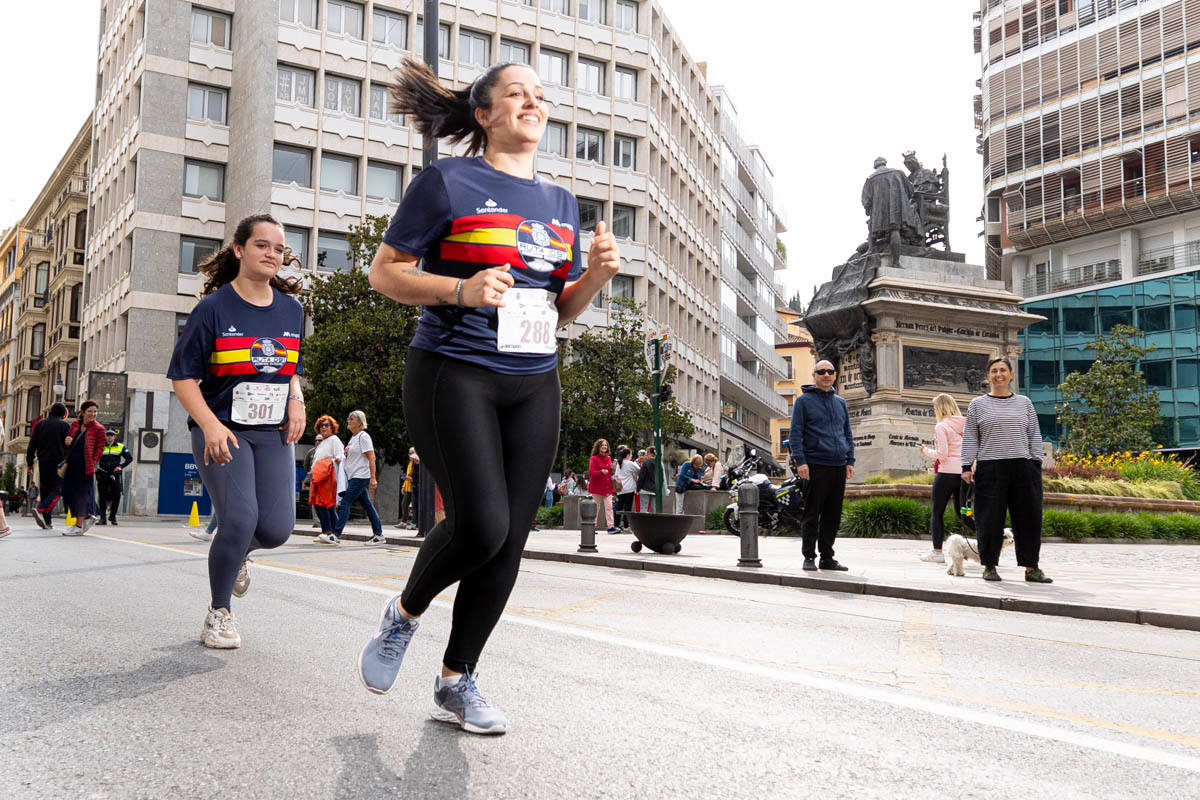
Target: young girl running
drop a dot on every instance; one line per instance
(501, 273)
(235, 370)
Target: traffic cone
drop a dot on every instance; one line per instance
(194, 517)
(70, 520)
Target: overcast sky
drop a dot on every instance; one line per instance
(822, 88)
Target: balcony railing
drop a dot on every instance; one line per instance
(763, 350)
(752, 296)
(746, 244)
(1061, 280)
(757, 386)
(36, 240)
(1165, 259)
(77, 186)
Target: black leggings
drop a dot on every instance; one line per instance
(946, 485)
(624, 505)
(489, 439)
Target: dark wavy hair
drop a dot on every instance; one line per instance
(440, 112)
(223, 266)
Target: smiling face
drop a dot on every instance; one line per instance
(89, 416)
(999, 377)
(517, 118)
(262, 254)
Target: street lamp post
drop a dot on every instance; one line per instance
(426, 487)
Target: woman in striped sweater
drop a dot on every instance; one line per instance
(1002, 455)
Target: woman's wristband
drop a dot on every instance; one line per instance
(458, 292)
(297, 398)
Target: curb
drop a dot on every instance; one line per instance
(1162, 619)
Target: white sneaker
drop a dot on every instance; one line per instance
(90, 521)
(379, 539)
(201, 534)
(73, 530)
(934, 557)
(328, 538)
(220, 631)
(241, 584)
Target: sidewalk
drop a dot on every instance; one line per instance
(1140, 583)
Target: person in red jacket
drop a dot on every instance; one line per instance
(600, 470)
(85, 445)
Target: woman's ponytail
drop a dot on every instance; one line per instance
(439, 112)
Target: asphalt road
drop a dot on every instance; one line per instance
(616, 683)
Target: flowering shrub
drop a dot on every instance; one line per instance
(1086, 472)
(1149, 465)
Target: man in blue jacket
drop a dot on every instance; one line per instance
(823, 451)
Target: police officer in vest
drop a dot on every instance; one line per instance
(108, 476)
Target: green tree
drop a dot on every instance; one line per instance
(796, 303)
(606, 388)
(355, 355)
(1109, 408)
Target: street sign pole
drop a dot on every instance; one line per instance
(425, 489)
(658, 453)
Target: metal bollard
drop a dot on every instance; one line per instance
(748, 524)
(587, 525)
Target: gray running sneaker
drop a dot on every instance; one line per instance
(220, 631)
(201, 534)
(241, 584)
(73, 530)
(379, 663)
(39, 521)
(462, 704)
(377, 539)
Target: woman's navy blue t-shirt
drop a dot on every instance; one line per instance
(462, 216)
(228, 341)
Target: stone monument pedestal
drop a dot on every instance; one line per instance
(933, 323)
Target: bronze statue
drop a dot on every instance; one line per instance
(931, 197)
(887, 197)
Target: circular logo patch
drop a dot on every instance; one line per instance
(268, 355)
(542, 249)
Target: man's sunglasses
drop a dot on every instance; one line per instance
(824, 372)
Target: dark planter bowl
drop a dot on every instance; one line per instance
(662, 533)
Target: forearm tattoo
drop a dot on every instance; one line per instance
(417, 272)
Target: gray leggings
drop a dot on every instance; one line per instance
(253, 496)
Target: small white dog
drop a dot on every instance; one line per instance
(958, 549)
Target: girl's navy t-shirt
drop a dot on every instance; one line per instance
(228, 341)
(461, 215)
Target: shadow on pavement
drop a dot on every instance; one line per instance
(436, 768)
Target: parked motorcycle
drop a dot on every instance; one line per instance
(781, 505)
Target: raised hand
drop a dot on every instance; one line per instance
(604, 256)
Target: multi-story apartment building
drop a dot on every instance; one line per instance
(1089, 119)
(10, 251)
(750, 326)
(209, 111)
(48, 295)
(799, 356)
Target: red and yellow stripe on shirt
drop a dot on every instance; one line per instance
(490, 240)
(231, 356)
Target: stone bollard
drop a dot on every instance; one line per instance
(587, 525)
(748, 524)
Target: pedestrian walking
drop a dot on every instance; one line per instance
(85, 444)
(408, 498)
(947, 468)
(1002, 456)
(501, 273)
(823, 452)
(47, 443)
(647, 480)
(600, 470)
(361, 480)
(549, 501)
(236, 371)
(626, 473)
(328, 455)
(113, 460)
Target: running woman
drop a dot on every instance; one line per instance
(501, 273)
(236, 371)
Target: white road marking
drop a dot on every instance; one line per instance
(862, 692)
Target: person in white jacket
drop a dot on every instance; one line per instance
(330, 446)
(947, 481)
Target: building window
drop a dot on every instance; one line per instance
(302, 12)
(590, 75)
(344, 18)
(193, 250)
(625, 84)
(474, 48)
(592, 10)
(513, 52)
(339, 173)
(37, 340)
(72, 380)
(383, 181)
(1043, 373)
(33, 402)
(590, 213)
(443, 40)
(388, 28)
(552, 66)
(333, 251)
(623, 221)
(380, 99)
(207, 103)
(295, 85)
(1187, 373)
(296, 240)
(202, 179)
(554, 141)
(1157, 374)
(81, 224)
(292, 165)
(621, 286)
(627, 14)
(1155, 319)
(624, 152)
(41, 280)
(342, 95)
(210, 27)
(180, 324)
(589, 145)
(557, 6)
